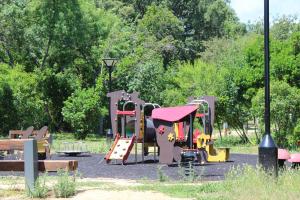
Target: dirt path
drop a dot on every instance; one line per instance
(97, 194)
(118, 195)
(90, 193)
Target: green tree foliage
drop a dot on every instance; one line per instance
(242, 75)
(51, 59)
(63, 42)
(285, 104)
(167, 30)
(12, 32)
(284, 26)
(82, 111)
(296, 136)
(55, 88)
(83, 108)
(203, 20)
(8, 111)
(196, 79)
(148, 79)
(23, 104)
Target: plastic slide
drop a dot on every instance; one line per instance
(120, 149)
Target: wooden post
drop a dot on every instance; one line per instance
(30, 164)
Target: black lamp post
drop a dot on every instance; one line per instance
(267, 150)
(110, 64)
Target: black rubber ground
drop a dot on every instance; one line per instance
(94, 166)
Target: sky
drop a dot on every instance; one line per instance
(253, 10)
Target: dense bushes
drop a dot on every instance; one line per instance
(285, 108)
(8, 117)
(82, 111)
(21, 103)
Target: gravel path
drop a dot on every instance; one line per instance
(94, 165)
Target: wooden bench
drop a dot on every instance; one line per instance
(43, 133)
(12, 144)
(17, 144)
(43, 165)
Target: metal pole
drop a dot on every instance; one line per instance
(109, 105)
(267, 67)
(267, 150)
(30, 164)
(191, 132)
(110, 71)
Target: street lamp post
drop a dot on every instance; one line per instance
(110, 64)
(267, 150)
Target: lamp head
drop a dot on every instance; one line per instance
(110, 62)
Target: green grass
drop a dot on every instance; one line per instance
(236, 146)
(247, 183)
(244, 149)
(181, 190)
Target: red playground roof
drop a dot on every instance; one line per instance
(173, 114)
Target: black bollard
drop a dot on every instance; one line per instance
(268, 155)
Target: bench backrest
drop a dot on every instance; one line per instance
(41, 134)
(27, 132)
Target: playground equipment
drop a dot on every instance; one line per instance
(131, 124)
(72, 148)
(203, 141)
(134, 121)
(175, 135)
(284, 155)
(295, 160)
(174, 130)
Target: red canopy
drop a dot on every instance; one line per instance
(173, 114)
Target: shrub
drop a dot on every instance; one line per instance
(293, 140)
(65, 186)
(82, 111)
(8, 111)
(285, 102)
(21, 105)
(161, 175)
(40, 188)
(228, 141)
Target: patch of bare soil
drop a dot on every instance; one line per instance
(117, 195)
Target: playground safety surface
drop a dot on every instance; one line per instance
(94, 166)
